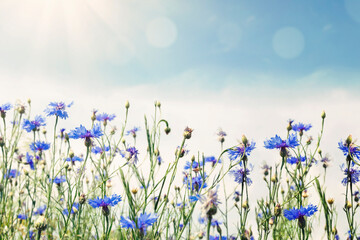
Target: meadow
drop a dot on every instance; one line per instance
(94, 182)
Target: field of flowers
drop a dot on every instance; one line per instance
(89, 182)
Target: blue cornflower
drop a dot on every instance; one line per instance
(212, 160)
(74, 159)
(13, 173)
(104, 117)
(30, 161)
(299, 214)
(31, 235)
(217, 237)
(40, 210)
(143, 222)
(195, 198)
(3, 108)
(300, 127)
(349, 149)
(214, 222)
(105, 202)
(133, 131)
(241, 175)
(159, 159)
(132, 155)
(83, 133)
(59, 180)
(277, 142)
(196, 184)
(58, 109)
(100, 150)
(295, 160)
(35, 124)
(241, 150)
(352, 174)
(22, 216)
(74, 209)
(39, 146)
(193, 165)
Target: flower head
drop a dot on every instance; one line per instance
(105, 202)
(349, 149)
(74, 159)
(13, 173)
(352, 174)
(196, 183)
(143, 222)
(58, 109)
(104, 117)
(212, 160)
(74, 209)
(39, 146)
(3, 108)
(241, 150)
(241, 175)
(29, 160)
(59, 180)
(40, 210)
(83, 133)
(22, 216)
(294, 213)
(100, 150)
(277, 142)
(300, 127)
(132, 155)
(35, 124)
(133, 131)
(295, 160)
(193, 165)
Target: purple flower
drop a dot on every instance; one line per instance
(132, 155)
(212, 160)
(58, 109)
(104, 117)
(29, 160)
(352, 174)
(295, 160)
(193, 165)
(197, 183)
(300, 127)
(349, 149)
(100, 150)
(241, 175)
(35, 124)
(105, 202)
(13, 173)
(133, 131)
(82, 132)
(241, 150)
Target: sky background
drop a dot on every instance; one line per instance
(244, 66)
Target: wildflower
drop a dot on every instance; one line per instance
(74, 159)
(325, 161)
(209, 207)
(217, 237)
(13, 173)
(240, 175)
(29, 160)
(105, 118)
(300, 127)
(295, 160)
(266, 168)
(352, 174)
(182, 152)
(299, 214)
(3, 108)
(105, 202)
(143, 222)
(100, 150)
(39, 146)
(58, 109)
(132, 155)
(241, 151)
(35, 124)
(40, 210)
(197, 183)
(195, 198)
(133, 131)
(159, 159)
(31, 235)
(221, 135)
(22, 216)
(40, 223)
(349, 149)
(187, 132)
(283, 145)
(237, 195)
(212, 160)
(83, 133)
(74, 209)
(193, 165)
(59, 180)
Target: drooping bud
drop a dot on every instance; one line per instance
(323, 115)
(167, 130)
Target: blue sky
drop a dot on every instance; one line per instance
(208, 44)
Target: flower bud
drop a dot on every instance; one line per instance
(323, 115)
(167, 130)
(40, 223)
(127, 105)
(134, 191)
(187, 132)
(349, 140)
(82, 198)
(330, 201)
(244, 140)
(277, 210)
